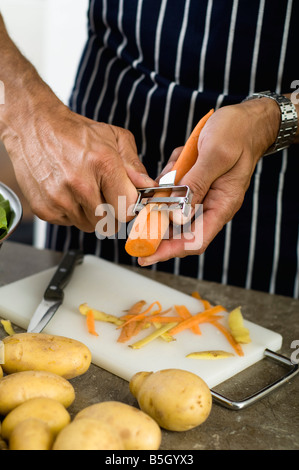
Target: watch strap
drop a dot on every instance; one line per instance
(288, 120)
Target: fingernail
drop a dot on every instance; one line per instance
(143, 262)
(145, 176)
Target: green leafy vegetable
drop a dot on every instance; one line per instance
(5, 216)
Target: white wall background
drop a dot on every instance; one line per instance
(51, 34)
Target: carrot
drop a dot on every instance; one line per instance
(196, 295)
(184, 313)
(205, 303)
(141, 315)
(130, 330)
(200, 317)
(237, 347)
(150, 225)
(160, 319)
(134, 309)
(90, 323)
(189, 154)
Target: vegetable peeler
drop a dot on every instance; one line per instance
(166, 184)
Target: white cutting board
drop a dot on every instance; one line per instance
(113, 289)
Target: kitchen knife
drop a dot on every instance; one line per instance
(53, 296)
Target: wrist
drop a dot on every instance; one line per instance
(288, 125)
(265, 116)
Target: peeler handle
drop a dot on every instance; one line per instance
(240, 405)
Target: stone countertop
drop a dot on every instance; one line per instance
(270, 424)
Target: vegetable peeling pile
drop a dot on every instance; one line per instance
(167, 324)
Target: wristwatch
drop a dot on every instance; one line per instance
(288, 121)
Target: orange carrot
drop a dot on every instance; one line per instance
(150, 225)
(126, 333)
(196, 295)
(205, 303)
(160, 319)
(90, 323)
(130, 330)
(134, 309)
(189, 154)
(184, 313)
(141, 315)
(200, 317)
(237, 347)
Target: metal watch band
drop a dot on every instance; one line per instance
(288, 121)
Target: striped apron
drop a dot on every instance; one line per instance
(156, 67)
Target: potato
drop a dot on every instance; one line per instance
(176, 399)
(137, 430)
(47, 410)
(88, 434)
(38, 351)
(3, 444)
(21, 386)
(31, 434)
(1, 372)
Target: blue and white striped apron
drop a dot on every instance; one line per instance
(156, 67)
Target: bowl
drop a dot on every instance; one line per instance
(16, 210)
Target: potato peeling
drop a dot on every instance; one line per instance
(210, 355)
(8, 327)
(237, 328)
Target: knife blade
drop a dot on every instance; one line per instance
(54, 295)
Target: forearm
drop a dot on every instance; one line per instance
(24, 90)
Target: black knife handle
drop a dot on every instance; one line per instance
(63, 274)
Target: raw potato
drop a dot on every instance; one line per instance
(137, 430)
(3, 444)
(21, 386)
(38, 351)
(31, 434)
(47, 410)
(176, 399)
(88, 434)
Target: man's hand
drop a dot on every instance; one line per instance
(229, 147)
(66, 165)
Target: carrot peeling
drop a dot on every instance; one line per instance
(130, 330)
(179, 319)
(205, 303)
(236, 346)
(151, 226)
(90, 323)
(184, 314)
(141, 315)
(200, 317)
